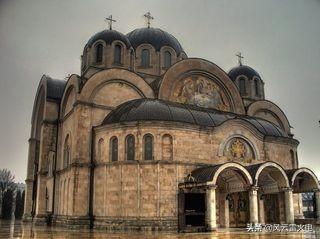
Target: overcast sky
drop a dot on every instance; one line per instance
(280, 39)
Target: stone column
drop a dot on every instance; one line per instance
(253, 201)
(28, 202)
(211, 220)
(317, 198)
(288, 201)
(261, 209)
(298, 213)
(226, 212)
(41, 196)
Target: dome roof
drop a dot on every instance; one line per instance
(154, 36)
(109, 36)
(160, 110)
(55, 88)
(242, 70)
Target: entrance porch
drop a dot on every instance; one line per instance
(230, 196)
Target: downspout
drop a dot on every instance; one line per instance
(91, 218)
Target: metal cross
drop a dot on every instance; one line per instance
(149, 18)
(240, 57)
(110, 20)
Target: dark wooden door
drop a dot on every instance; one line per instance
(238, 209)
(271, 208)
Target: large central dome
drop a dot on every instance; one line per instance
(154, 36)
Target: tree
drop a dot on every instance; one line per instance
(8, 204)
(19, 204)
(6, 184)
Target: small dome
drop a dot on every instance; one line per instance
(154, 36)
(243, 70)
(109, 36)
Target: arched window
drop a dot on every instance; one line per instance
(256, 87)
(167, 59)
(130, 147)
(242, 86)
(167, 147)
(66, 152)
(99, 53)
(145, 58)
(113, 149)
(117, 54)
(148, 147)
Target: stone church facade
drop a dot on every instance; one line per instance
(147, 138)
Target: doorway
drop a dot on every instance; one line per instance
(192, 209)
(271, 208)
(195, 209)
(238, 209)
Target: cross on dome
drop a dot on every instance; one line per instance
(240, 57)
(110, 21)
(149, 18)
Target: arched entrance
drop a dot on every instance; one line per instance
(303, 180)
(272, 183)
(232, 181)
(215, 196)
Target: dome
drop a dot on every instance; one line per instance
(109, 36)
(243, 70)
(160, 110)
(154, 36)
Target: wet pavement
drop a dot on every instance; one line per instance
(17, 229)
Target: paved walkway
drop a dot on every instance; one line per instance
(18, 230)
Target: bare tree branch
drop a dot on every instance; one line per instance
(6, 180)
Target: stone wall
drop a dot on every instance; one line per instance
(134, 192)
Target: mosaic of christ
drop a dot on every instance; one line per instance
(201, 91)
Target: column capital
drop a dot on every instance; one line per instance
(287, 189)
(253, 188)
(210, 187)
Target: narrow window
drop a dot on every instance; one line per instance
(66, 152)
(145, 58)
(167, 59)
(114, 149)
(99, 53)
(242, 86)
(148, 147)
(117, 54)
(130, 147)
(256, 87)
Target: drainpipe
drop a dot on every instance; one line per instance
(91, 180)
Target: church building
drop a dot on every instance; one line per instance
(146, 138)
